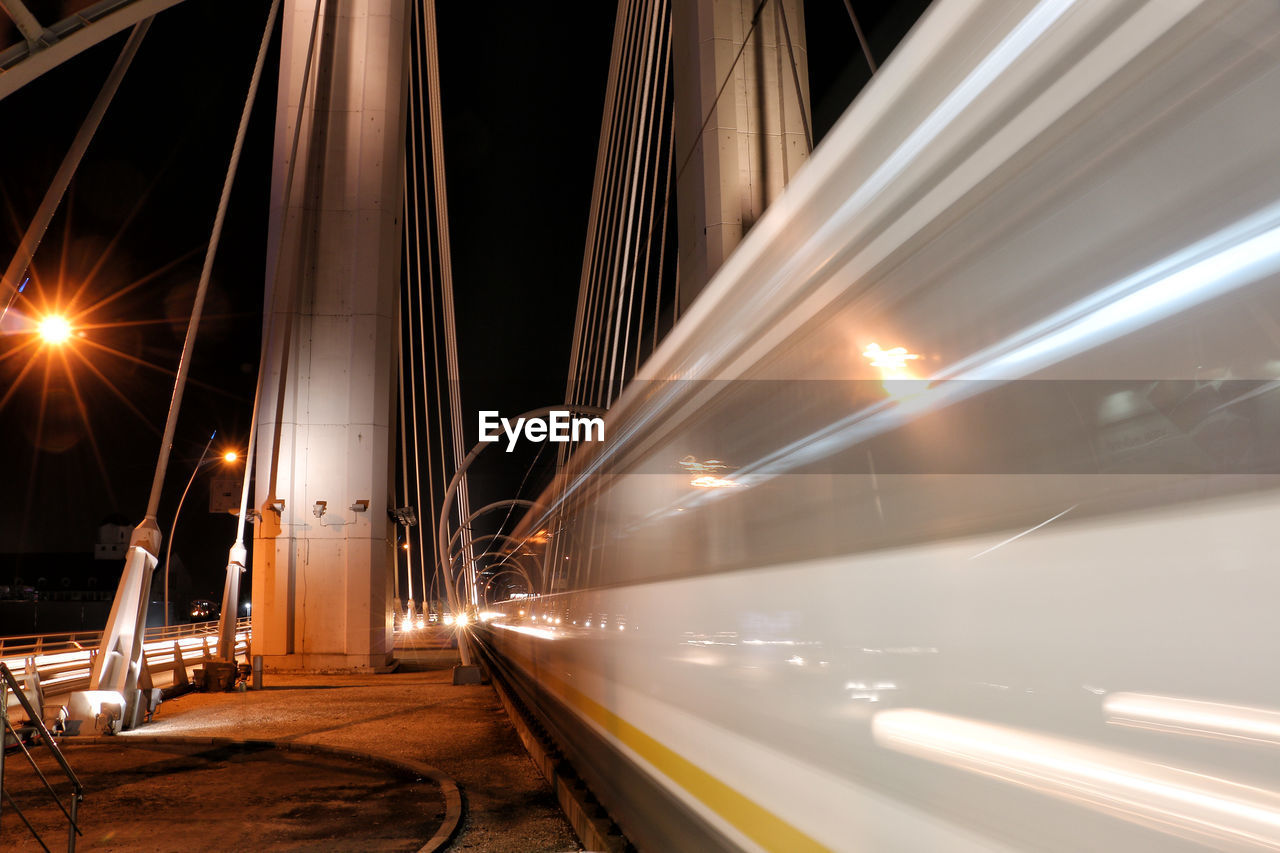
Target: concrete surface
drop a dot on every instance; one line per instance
(154, 797)
(414, 714)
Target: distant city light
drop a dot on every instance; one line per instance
(709, 466)
(888, 359)
(705, 474)
(55, 329)
(896, 378)
(708, 481)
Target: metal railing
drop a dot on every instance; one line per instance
(28, 644)
(34, 721)
(63, 661)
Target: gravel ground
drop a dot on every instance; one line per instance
(417, 715)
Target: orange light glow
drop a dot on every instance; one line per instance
(888, 359)
(896, 378)
(708, 481)
(230, 456)
(55, 329)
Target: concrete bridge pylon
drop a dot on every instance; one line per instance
(324, 549)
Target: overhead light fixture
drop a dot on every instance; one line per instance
(54, 329)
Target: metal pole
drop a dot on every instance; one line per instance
(118, 663)
(32, 30)
(862, 39)
(206, 272)
(73, 827)
(66, 171)
(4, 733)
(168, 551)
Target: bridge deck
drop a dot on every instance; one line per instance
(414, 714)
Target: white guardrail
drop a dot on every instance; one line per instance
(63, 660)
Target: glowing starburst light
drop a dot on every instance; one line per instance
(54, 329)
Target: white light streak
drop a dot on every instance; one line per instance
(1018, 536)
(1231, 258)
(1168, 799)
(709, 481)
(540, 633)
(1193, 717)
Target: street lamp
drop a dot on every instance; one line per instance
(54, 329)
(229, 456)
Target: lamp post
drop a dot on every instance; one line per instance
(229, 456)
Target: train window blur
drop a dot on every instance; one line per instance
(1016, 592)
(1183, 398)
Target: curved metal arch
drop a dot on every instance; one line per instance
(510, 559)
(484, 594)
(494, 537)
(451, 491)
(513, 558)
(455, 577)
(488, 537)
(25, 61)
(481, 511)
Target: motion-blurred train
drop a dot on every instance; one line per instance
(948, 518)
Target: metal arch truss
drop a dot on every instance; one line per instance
(466, 524)
(44, 48)
(516, 572)
(514, 545)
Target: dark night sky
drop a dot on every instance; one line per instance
(140, 209)
(522, 96)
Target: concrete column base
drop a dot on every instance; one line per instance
(468, 674)
(217, 675)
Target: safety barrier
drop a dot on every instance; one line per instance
(63, 662)
(19, 737)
